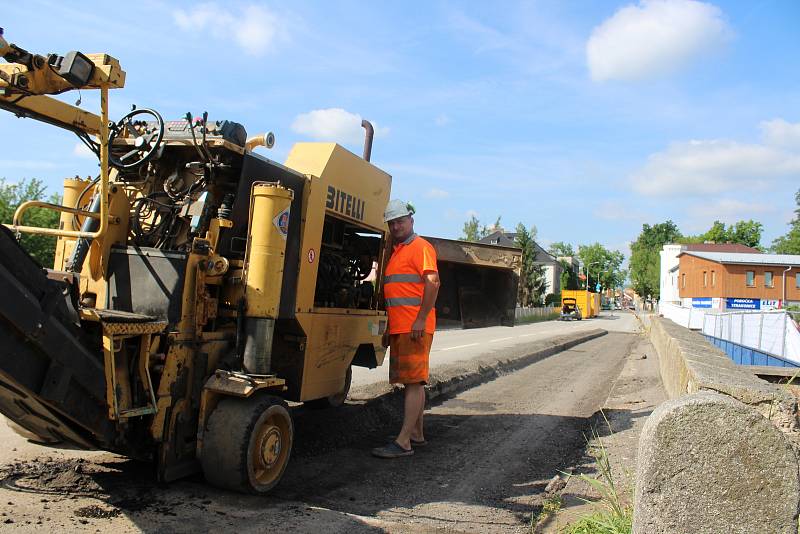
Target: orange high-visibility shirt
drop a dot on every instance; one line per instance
(403, 284)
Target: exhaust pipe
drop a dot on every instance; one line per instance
(370, 133)
(265, 139)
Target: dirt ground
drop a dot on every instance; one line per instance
(491, 451)
(636, 392)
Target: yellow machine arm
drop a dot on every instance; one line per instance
(25, 82)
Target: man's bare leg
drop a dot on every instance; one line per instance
(418, 434)
(412, 413)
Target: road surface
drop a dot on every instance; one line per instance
(491, 451)
(450, 346)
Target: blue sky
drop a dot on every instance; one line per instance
(585, 119)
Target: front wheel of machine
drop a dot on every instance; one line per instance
(247, 444)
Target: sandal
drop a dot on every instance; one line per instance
(414, 442)
(391, 450)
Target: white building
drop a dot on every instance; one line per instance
(668, 285)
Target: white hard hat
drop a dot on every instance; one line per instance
(396, 209)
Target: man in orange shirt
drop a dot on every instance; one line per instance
(410, 287)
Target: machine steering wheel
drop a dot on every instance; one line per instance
(147, 133)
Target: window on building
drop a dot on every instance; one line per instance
(750, 278)
(713, 278)
(705, 278)
(683, 280)
(768, 279)
(797, 280)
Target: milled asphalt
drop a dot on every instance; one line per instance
(451, 346)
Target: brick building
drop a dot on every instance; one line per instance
(728, 281)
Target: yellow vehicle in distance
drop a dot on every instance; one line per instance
(587, 303)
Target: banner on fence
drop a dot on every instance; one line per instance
(701, 302)
(742, 304)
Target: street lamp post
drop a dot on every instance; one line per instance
(588, 270)
(601, 295)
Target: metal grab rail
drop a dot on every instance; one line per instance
(103, 216)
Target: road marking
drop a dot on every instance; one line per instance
(461, 346)
(528, 335)
(501, 339)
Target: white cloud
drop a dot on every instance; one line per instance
(778, 132)
(442, 120)
(254, 28)
(728, 210)
(333, 124)
(437, 193)
(83, 151)
(701, 167)
(653, 38)
(617, 210)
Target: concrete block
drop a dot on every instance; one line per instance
(709, 464)
(689, 363)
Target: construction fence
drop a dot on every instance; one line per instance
(774, 333)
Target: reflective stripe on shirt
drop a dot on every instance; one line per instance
(412, 278)
(403, 301)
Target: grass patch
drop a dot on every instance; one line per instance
(550, 507)
(611, 515)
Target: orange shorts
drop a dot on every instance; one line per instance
(408, 358)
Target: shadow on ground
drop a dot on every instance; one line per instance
(485, 460)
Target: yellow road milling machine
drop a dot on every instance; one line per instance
(197, 286)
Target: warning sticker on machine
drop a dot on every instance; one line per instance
(281, 222)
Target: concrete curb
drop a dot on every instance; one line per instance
(689, 364)
(460, 376)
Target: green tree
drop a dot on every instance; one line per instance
(559, 249)
(569, 278)
(474, 231)
(604, 265)
(471, 230)
(532, 284)
(645, 261)
(790, 243)
(717, 233)
(746, 233)
(41, 247)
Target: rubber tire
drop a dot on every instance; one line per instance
(334, 401)
(229, 438)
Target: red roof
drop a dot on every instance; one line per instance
(720, 247)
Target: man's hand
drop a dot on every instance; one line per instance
(385, 339)
(418, 328)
